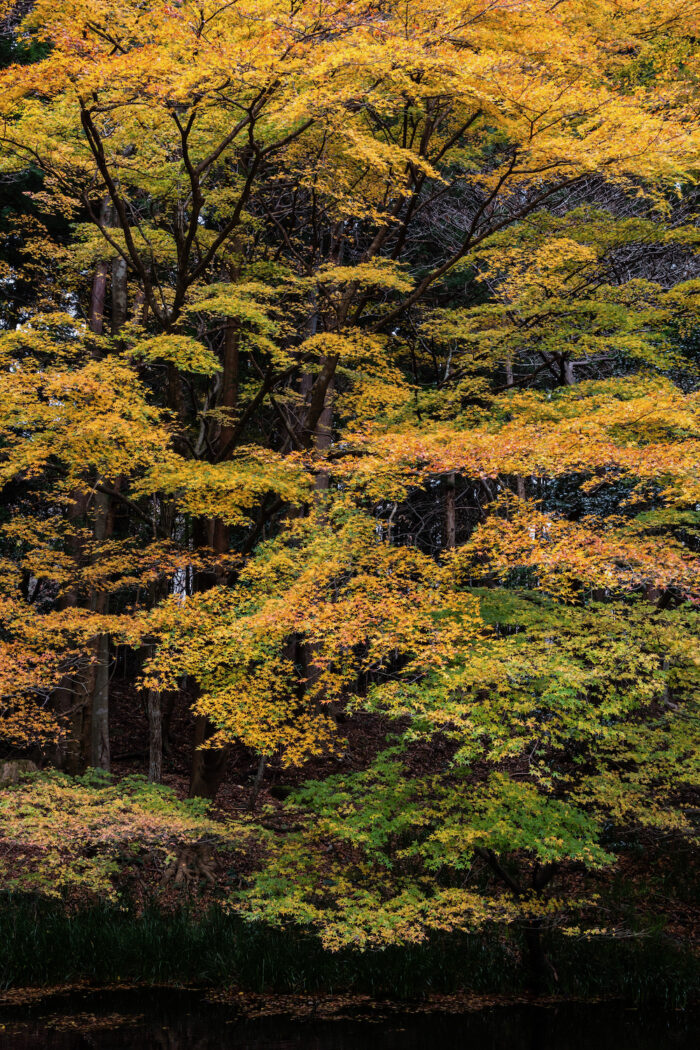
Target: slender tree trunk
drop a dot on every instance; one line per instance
(97, 722)
(167, 706)
(519, 481)
(539, 965)
(209, 765)
(568, 377)
(99, 728)
(229, 381)
(139, 308)
(257, 783)
(65, 701)
(155, 737)
(97, 298)
(87, 707)
(69, 699)
(119, 294)
(323, 436)
(96, 735)
(98, 692)
(99, 280)
(450, 512)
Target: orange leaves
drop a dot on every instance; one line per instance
(622, 430)
(315, 616)
(568, 556)
(27, 674)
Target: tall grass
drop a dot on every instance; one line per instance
(43, 944)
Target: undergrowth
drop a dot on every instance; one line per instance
(44, 944)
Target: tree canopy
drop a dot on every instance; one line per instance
(349, 370)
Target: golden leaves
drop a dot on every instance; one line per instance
(182, 351)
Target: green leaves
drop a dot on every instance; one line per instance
(515, 761)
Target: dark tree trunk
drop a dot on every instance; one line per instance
(98, 692)
(99, 281)
(155, 736)
(96, 725)
(99, 713)
(209, 764)
(257, 783)
(229, 382)
(69, 699)
(97, 298)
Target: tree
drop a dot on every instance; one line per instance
(365, 380)
(563, 733)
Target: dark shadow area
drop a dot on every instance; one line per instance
(181, 1020)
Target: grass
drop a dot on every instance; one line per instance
(43, 944)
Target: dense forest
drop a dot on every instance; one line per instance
(350, 468)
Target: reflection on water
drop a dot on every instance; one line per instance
(168, 1020)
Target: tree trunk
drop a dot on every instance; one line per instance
(96, 729)
(99, 280)
(541, 969)
(99, 720)
(450, 512)
(323, 436)
(98, 693)
(257, 783)
(567, 370)
(209, 764)
(87, 708)
(119, 294)
(167, 707)
(229, 382)
(69, 698)
(155, 737)
(97, 298)
(520, 480)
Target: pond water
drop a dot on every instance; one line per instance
(171, 1020)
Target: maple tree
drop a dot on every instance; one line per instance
(350, 367)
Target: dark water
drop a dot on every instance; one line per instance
(185, 1021)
